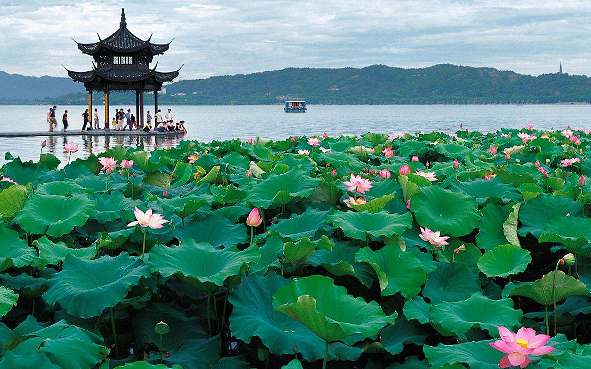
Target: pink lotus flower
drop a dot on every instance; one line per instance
(304, 152)
(433, 238)
(325, 135)
(250, 141)
(388, 153)
(567, 133)
(6, 179)
(334, 172)
(293, 139)
(355, 201)
(543, 171)
(568, 162)
(526, 137)
(428, 175)
(193, 158)
(529, 127)
(408, 204)
(456, 164)
(70, 147)
(249, 173)
(519, 346)
(582, 180)
(164, 193)
(109, 164)
(394, 136)
(147, 219)
(358, 184)
(385, 173)
(254, 218)
(537, 164)
(492, 150)
(414, 158)
(404, 170)
(313, 141)
(507, 155)
(126, 164)
(576, 140)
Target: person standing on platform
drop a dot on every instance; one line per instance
(120, 119)
(52, 121)
(128, 119)
(96, 120)
(148, 120)
(86, 118)
(169, 117)
(158, 118)
(133, 124)
(65, 120)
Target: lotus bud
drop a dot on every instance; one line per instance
(371, 171)
(293, 139)
(569, 259)
(44, 143)
(456, 164)
(361, 143)
(462, 248)
(248, 173)
(161, 328)
(366, 170)
(561, 261)
(408, 204)
(493, 150)
(385, 173)
(334, 172)
(250, 141)
(537, 164)
(427, 164)
(414, 158)
(295, 348)
(325, 135)
(254, 219)
(404, 170)
(133, 174)
(582, 180)
(165, 193)
(507, 155)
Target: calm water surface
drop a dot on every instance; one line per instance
(206, 123)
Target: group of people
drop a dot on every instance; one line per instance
(121, 121)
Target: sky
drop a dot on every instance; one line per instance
(232, 37)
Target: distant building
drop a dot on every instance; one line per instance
(560, 71)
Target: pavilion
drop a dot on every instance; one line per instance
(122, 62)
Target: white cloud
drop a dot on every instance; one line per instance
(227, 37)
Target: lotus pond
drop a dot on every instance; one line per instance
(399, 252)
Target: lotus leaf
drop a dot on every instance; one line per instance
(146, 365)
(475, 312)
(493, 189)
(12, 200)
(14, 251)
(573, 232)
(341, 261)
(490, 230)
(63, 188)
(327, 309)
(477, 354)
(55, 252)
(451, 213)
(297, 252)
(277, 331)
(199, 261)
(113, 206)
(84, 288)
(450, 282)
(361, 225)
(393, 337)
(504, 260)
(306, 224)
(375, 205)
(539, 212)
(510, 226)
(294, 364)
(7, 300)
(279, 189)
(215, 230)
(541, 291)
(397, 270)
(417, 309)
(54, 215)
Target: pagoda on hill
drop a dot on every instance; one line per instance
(122, 62)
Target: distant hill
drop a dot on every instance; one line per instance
(376, 84)
(16, 88)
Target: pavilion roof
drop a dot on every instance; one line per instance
(123, 75)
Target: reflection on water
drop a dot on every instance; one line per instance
(87, 145)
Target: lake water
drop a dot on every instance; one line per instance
(206, 123)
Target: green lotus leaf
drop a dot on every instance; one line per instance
(7, 300)
(211, 176)
(504, 260)
(341, 261)
(393, 337)
(193, 353)
(510, 226)
(418, 309)
(55, 252)
(294, 364)
(573, 232)
(182, 173)
(361, 225)
(270, 252)
(14, 251)
(571, 360)
(475, 312)
(450, 282)
(146, 365)
(12, 200)
(84, 288)
(49, 160)
(490, 229)
(542, 292)
(327, 309)
(452, 151)
(413, 362)
(306, 224)
(278, 332)
(484, 190)
(409, 188)
(157, 179)
(23, 173)
(113, 206)
(215, 230)
(60, 346)
(62, 188)
(297, 252)
(451, 213)
(199, 261)
(398, 271)
(279, 189)
(232, 362)
(144, 160)
(375, 205)
(537, 213)
(26, 285)
(477, 354)
(54, 215)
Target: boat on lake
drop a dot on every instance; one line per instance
(295, 106)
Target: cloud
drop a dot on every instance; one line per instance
(227, 37)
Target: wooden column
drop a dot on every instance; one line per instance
(90, 107)
(107, 125)
(155, 102)
(141, 117)
(137, 107)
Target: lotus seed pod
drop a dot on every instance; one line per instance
(161, 328)
(569, 259)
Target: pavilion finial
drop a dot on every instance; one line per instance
(123, 23)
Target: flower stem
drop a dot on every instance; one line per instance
(325, 354)
(251, 234)
(144, 246)
(160, 349)
(114, 331)
(554, 294)
(107, 184)
(547, 325)
(208, 320)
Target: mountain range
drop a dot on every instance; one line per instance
(376, 84)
